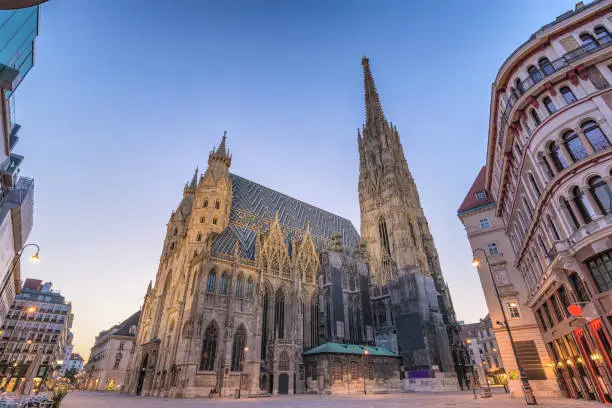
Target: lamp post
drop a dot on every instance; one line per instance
(34, 259)
(527, 390)
(241, 369)
(364, 354)
(486, 376)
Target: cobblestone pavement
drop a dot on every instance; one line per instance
(98, 400)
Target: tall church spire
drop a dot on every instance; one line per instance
(374, 111)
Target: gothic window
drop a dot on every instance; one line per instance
(352, 284)
(283, 361)
(175, 231)
(535, 117)
(239, 286)
(249, 288)
(223, 284)
(384, 236)
(593, 133)
(264, 322)
(568, 95)
(602, 194)
(209, 347)
(172, 246)
(205, 203)
(575, 147)
(550, 106)
(212, 278)
(238, 349)
(314, 321)
(336, 371)
(351, 323)
(545, 66)
(314, 375)
(217, 204)
(358, 321)
(199, 237)
(279, 314)
(580, 201)
(381, 314)
(193, 282)
(215, 221)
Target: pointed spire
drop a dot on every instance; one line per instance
(194, 180)
(220, 154)
(221, 150)
(373, 107)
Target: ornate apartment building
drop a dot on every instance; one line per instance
(249, 279)
(547, 178)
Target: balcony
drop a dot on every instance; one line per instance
(13, 138)
(547, 70)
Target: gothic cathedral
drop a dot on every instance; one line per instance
(254, 286)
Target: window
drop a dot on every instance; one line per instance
(381, 314)
(513, 309)
(602, 194)
(545, 66)
(501, 277)
(314, 375)
(580, 201)
(493, 249)
(527, 207)
(550, 106)
(568, 95)
(117, 360)
(217, 204)
(601, 270)
(223, 284)
(602, 35)
(336, 371)
(215, 221)
(574, 146)
(564, 298)
(579, 288)
(339, 328)
(121, 345)
(555, 308)
(496, 362)
(481, 195)
(588, 42)
(205, 203)
(519, 86)
(535, 186)
(548, 315)
(535, 117)
(199, 237)
(283, 361)
(354, 370)
(240, 337)
(485, 223)
(210, 286)
(209, 347)
(202, 219)
(279, 314)
(557, 157)
(535, 75)
(370, 371)
(596, 137)
(239, 286)
(249, 288)
(384, 236)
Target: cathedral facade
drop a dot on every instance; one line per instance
(250, 279)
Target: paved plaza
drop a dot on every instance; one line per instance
(99, 400)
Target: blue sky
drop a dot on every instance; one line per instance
(127, 97)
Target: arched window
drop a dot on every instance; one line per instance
(217, 204)
(212, 279)
(354, 370)
(279, 314)
(283, 361)
(172, 246)
(249, 288)
(209, 347)
(580, 201)
(588, 42)
(240, 337)
(574, 146)
(534, 73)
(535, 186)
(571, 214)
(557, 157)
(264, 322)
(239, 286)
(519, 86)
(384, 236)
(568, 95)
(175, 231)
(202, 220)
(223, 284)
(381, 314)
(602, 35)
(535, 117)
(215, 221)
(553, 228)
(596, 137)
(550, 106)
(545, 66)
(528, 207)
(199, 237)
(314, 321)
(602, 194)
(336, 371)
(205, 203)
(579, 289)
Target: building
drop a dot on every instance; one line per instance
(34, 336)
(74, 362)
(413, 311)
(250, 281)
(545, 191)
(484, 353)
(19, 31)
(109, 357)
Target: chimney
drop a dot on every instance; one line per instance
(46, 287)
(579, 6)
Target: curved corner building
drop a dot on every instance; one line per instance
(547, 174)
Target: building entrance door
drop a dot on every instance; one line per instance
(142, 374)
(283, 384)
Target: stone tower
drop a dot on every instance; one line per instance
(412, 309)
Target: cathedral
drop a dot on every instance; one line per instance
(258, 292)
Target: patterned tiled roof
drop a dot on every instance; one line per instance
(339, 348)
(254, 207)
(471, 202)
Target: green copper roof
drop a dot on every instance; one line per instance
(349, 349)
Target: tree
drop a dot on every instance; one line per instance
(71, 375)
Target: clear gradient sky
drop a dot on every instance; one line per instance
(126, 97)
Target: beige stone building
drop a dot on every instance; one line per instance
(483, 350)
(547, 183)
(109, 357)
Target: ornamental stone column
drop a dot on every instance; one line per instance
(592, 203)
(585, 141)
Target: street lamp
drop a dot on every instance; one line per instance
(34, 259)
(527, 390)
(486, 376)
(363, 355)
(241, 369)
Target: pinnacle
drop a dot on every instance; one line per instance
(372, 101)
(221, 151)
